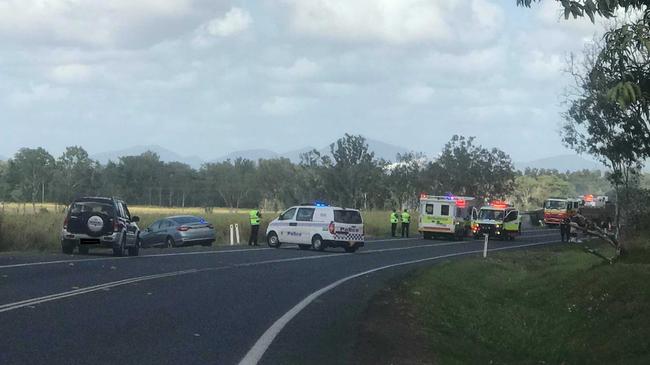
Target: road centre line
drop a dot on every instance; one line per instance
(41, 263)
(254, 355)
(52, 297)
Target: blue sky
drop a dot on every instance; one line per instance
(208, 77)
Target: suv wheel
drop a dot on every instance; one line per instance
(67, 247)
(317, 243)
(135, 250)
(118, 249)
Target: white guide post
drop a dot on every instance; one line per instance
(232, 235)
(485, 244)
(237, 231)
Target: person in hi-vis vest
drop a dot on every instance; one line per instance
(394, 219)
(255, 216)
(406, 222)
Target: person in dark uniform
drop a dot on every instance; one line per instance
(565, 229)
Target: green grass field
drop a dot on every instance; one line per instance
(23, 228)
(552, 306)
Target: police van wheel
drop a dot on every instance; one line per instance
(304, 247)
(272, 240)
(350, 249)
(317, 243)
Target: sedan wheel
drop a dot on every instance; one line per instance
(169, 242)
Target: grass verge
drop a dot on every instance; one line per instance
(552, 306)
(23, 228)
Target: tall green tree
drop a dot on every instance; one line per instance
(75, 175)
(465, 168)
(30, 172)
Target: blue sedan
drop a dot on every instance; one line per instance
(182, 230)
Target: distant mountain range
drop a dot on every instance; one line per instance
(561, 163)
(382, 150)
(165, 155)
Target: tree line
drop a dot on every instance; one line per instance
(350, 175)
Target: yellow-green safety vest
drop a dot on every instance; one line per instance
(406, 218)
(393, 218)
(254, 216)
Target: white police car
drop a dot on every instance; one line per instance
(317, 226)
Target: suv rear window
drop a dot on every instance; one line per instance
(91, 207)
(347, 216)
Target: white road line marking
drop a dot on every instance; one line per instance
(255, 354)
(40, 263)
(48, 298)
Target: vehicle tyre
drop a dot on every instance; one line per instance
(83, 250)
(118, 249)
(135, 250)
(317, 243)
(169, 242)
(350, 249)
(67, 248)
(304, 247)
(272, 240)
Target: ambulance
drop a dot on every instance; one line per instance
(499, 220)
(317, 226)
(445, 216)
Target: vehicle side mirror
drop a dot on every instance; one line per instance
(135, 219)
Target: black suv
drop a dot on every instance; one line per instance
(100, 222)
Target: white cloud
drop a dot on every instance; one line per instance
(542, 66)
(398, 22)
(95, 23)
(283, 105)
(37, 93)
(179, 81)
(235, 21)
(71, 73)
(302, 68)
(417, 94)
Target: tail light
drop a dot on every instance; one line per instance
(116, 226)
(65, 222)
(332, 228)
(183, 229)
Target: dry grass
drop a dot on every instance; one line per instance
(23, 228)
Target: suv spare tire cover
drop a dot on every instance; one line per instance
(95, 225)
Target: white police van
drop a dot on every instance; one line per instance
(317, 226)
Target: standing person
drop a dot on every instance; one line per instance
(393, 223)
(564, 229)
(406, 222)
(255, 216)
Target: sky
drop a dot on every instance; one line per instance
(207, 78)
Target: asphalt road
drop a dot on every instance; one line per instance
(197, 306)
